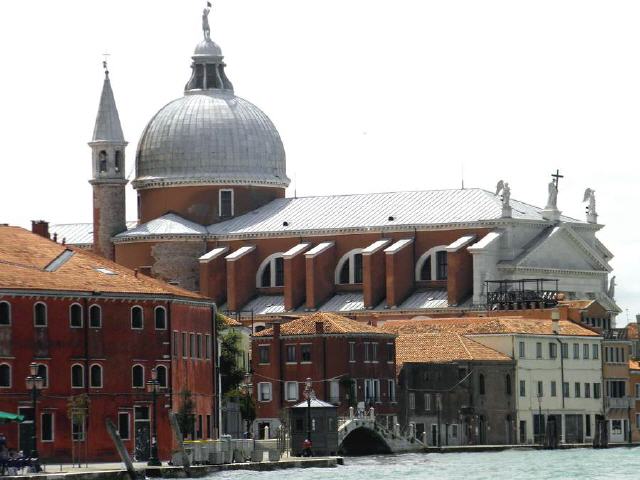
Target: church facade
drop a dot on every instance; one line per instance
(210, 175)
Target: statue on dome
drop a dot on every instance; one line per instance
(611, 291)
(205, 22)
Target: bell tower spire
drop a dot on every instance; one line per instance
(108, 178)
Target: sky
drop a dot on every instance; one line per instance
(367, 95)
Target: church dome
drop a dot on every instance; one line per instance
(210, 136)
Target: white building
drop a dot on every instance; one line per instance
(558, 376)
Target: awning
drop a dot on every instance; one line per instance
(11, 417)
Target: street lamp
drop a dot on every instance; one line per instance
(152, 387)
(246, 387)
(308, 393)
(35, 383)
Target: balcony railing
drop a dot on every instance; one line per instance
(620, 402)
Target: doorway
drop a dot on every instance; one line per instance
(25, 430)
(142, 424)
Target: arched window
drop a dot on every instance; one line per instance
(95, 376)
(77, 376)
(259, 328)
(102, 161)
(137, 376)
(118, 161)
(161, 371)
(5, 375)
(507, 384)
(160, 314)
(137, 319)
(5, 313)
(271, 272)
(43, 371)
(432, 265)
(95, 316)
(40, 315)
(481, 384)
(75, 316)
(349, 269)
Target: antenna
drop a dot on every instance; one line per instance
(295, 184)
(462, 174)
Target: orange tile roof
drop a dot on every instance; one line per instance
(634, 365)
(333, 324)
(579, 304)
(442, 347)
(24, 258)
(228, 321)
(487, 325)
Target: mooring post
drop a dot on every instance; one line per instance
(122, 451)
(175, 426)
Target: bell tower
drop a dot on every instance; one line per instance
(108, 168)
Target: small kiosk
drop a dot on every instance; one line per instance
(323, 431)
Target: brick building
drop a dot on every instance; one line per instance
(350, 363)
(456, 390)
(98, 329)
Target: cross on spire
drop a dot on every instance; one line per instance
(104, 63)
(556, 177)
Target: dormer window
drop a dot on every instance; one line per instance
(432, 265)
(102, 161)
(271, 272)
(226, 203)
(349, 270)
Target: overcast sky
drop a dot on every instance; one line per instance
(367, 95)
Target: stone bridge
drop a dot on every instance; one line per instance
(363, 435)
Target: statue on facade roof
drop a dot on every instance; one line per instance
(590, 196)
(506, 197)
(552, 201)
(611, 292)
(205, 22)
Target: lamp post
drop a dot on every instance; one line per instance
(35, 383)
(308, 392)
(246, 387)
(152, 387)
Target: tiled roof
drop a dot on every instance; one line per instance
(442, 347)
(77, 233)
(634, 365)
(333, 324)
(488, 326)
(228, 321)
(31, 262)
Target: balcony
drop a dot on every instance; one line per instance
(621, 402)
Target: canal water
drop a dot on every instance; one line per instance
(618, 463)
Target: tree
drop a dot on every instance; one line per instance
(186, 417)
(230, 372)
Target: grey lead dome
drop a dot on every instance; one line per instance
(210, 137)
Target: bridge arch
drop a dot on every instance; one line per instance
(363, 441)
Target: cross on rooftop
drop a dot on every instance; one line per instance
(556, 177)
(104, 63)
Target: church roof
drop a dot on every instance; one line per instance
(29, 262)
(376, 211)
(77, 234)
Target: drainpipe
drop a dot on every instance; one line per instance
(555, 327)
(214, 373)
(171, 355)
(85, 324)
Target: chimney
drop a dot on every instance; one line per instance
(555, 321)
(276, 330)
(40, 227)
(319, 328)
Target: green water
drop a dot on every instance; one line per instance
(618, 463)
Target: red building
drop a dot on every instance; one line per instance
(97, 329)
(350, 364)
